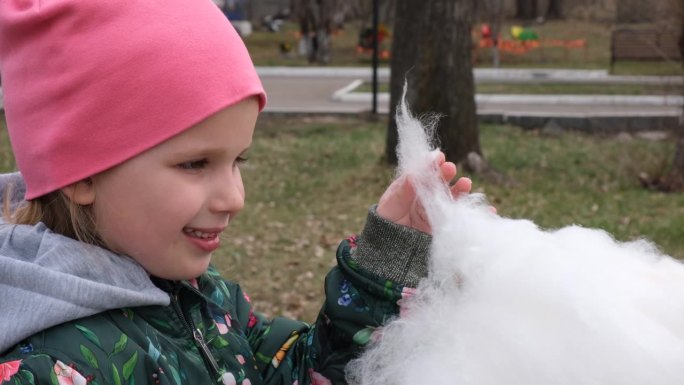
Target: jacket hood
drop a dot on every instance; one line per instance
(47, 279)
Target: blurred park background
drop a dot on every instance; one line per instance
(312, 174)
(555, 33)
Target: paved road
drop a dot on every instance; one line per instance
(318, 95)
(309, 95)
(328, 90)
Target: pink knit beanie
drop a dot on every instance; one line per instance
(88, 84)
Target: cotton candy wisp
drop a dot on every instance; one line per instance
(506, 302)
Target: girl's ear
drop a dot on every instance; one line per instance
(81, 192)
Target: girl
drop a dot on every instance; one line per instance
(129, 121)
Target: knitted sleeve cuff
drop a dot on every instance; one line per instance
(393, 252)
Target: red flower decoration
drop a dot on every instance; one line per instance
(252, 320)
(9, 369)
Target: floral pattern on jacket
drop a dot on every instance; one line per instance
(210, 334)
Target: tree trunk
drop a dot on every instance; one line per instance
(674, 180)
(677, 174)
(526, 9)
(678, 165)
(404, 41)
(555, 9)
(432, 50)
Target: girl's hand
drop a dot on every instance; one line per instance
(400, 204)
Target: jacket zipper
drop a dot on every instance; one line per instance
(206, 354)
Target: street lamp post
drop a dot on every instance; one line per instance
(375, 57)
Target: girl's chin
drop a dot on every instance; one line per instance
(188, 274)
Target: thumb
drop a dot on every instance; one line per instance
(397, 199)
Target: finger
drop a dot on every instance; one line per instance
(409, 191)
(462, 186)
(421, 222)
(448, 171)
(393, 202)
(418, 217)
(440, 158)
(391, 189)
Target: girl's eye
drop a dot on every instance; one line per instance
(240, 160)
(194, 164)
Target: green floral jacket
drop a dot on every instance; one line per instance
(210, 334)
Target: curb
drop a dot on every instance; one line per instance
(345, 94)
(588, 124)
(609, 124)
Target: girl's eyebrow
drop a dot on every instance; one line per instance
(190, 153)
(184, 153)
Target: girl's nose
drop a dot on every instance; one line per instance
(229, 194)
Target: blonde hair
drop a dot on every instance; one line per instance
(59, 213)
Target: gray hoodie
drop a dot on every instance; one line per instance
(47, 279)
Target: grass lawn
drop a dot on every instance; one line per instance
(309, 182)
(264, 48)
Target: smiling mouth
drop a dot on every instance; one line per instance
(206, 240)
(195, 233)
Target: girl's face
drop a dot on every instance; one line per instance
(167, 207)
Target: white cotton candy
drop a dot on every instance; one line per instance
(508, 303)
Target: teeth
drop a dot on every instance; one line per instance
(199, 234)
